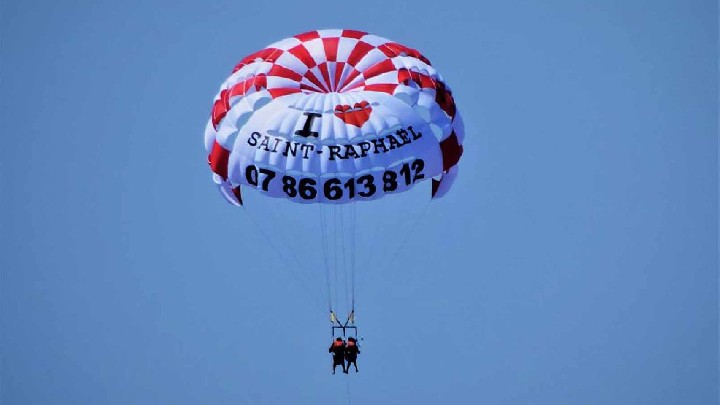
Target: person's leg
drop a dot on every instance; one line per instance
(340, 363)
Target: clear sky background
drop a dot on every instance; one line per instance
(574, 262)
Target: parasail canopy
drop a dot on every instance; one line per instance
(333, 116)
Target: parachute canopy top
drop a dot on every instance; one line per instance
(333, 116)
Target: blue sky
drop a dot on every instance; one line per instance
(574, 261)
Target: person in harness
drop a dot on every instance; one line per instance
(337, 348)
(351, 352)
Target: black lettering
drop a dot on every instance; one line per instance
(364, 148)
(379, 143)
(403, 134)
(418, 165)
(350, 186)
(289, 186)
(305, 131)
(269, 175)
(405, 171)
(290, 147)
(414, 135)
(277, 142)
(389, 181)
(252, 141)
(306, 147)
(306, 188)
(332, 189)
(251, 174)
(367, 181)
(392, 142)
(265, 143)
(350, 152)
(334, 151)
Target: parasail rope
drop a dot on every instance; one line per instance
(325, 256)
(352, 258)
(278, 218)
(343, 249)
(289, 267)
(408, 234)
(335, 254)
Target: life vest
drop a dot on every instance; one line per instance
(338, 343)
(350, 343)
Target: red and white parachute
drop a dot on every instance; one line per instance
(333, 116)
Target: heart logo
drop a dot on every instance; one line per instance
(356, 115)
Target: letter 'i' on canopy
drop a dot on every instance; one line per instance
(333, 116)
